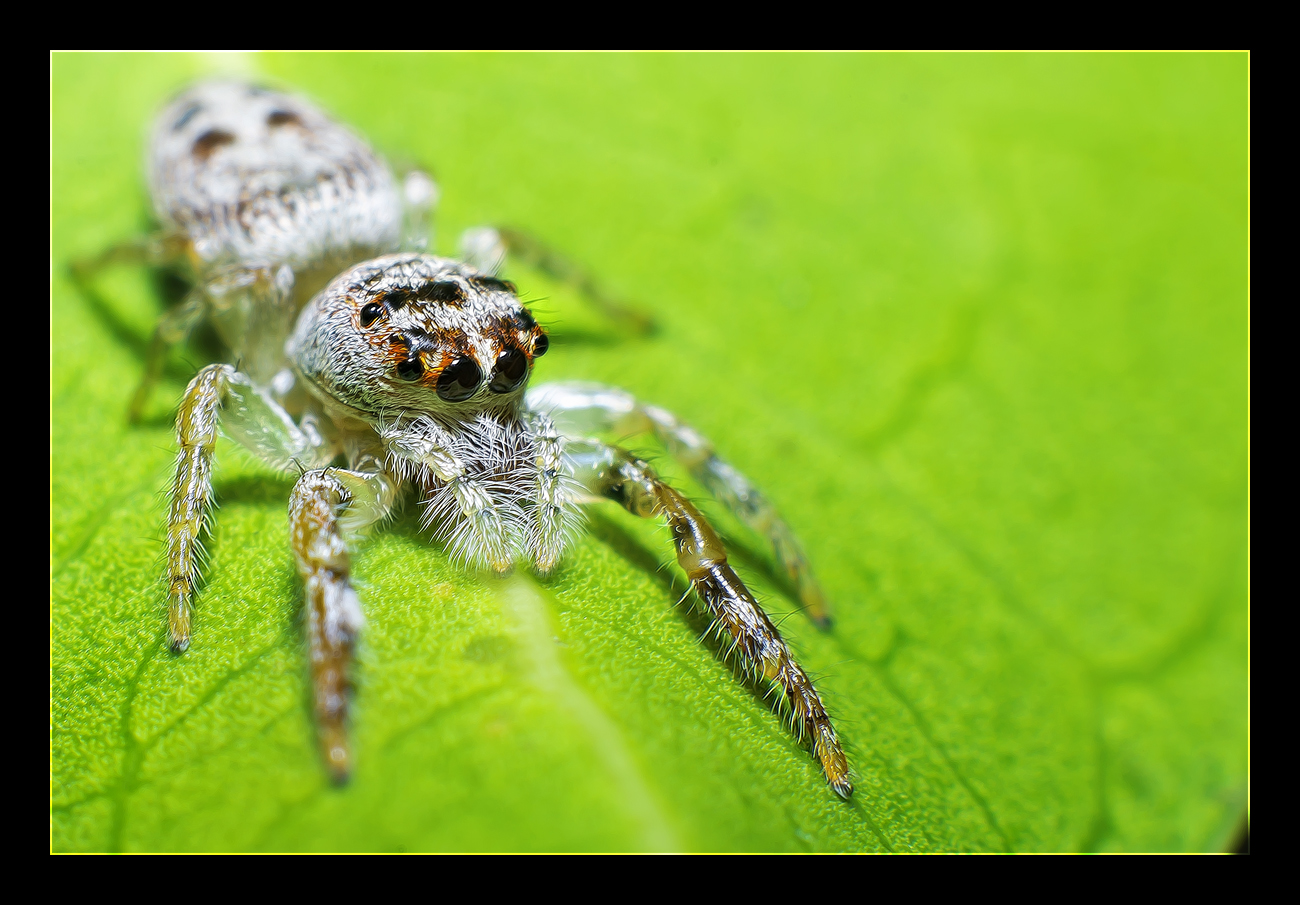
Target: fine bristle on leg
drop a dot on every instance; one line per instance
(191, 493)
(613, 473)
(334, 618)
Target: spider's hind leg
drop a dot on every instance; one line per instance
(159, 250)
(486, 248)
(611, 472)
(173, 327)
(580, 409)
(419, 203)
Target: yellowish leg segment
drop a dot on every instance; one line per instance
(614, 473)
(324, 503)
(584, 408)
(154, 250)
(196, 434)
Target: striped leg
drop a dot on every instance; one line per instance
(323, 505)
(580, 409)
(614, 473)
(196, 433)
(249, 416)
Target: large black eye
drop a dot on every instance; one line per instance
(510, 370)
(540, 345)
(370, 313)
(459, 380)
(411, 369)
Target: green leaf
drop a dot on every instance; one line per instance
(977, 324)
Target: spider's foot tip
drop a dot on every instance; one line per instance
(340, 765)
(824, 622)
(843, 788)
(178, 645)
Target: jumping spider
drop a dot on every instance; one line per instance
(410, 370)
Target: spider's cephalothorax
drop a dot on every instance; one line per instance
(405, 370)
(426, 360)
(416, 333)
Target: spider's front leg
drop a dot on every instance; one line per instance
(614, 473)
(219, 394)
(584, 408)
(327, 504)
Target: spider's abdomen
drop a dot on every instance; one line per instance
(255, 178)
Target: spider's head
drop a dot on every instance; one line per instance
(412, 333)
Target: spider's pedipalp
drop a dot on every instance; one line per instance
(556, 518)
(478, 525)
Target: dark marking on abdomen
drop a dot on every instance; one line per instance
(209, 141)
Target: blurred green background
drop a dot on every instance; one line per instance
(978, 324)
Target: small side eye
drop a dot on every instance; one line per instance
(410, 369)
(370, 313)
(459, 380)
(510, 371)
(540, 345)
(184, 120)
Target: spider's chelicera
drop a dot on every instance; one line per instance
(412, 371)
